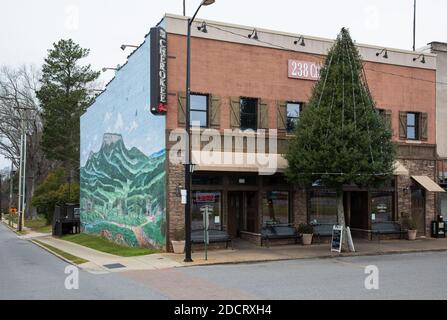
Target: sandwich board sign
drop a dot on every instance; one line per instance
(337, 239)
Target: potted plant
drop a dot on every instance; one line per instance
(410, 225)
(307, 231)
(178, 241)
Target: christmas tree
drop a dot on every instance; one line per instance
(341, 138)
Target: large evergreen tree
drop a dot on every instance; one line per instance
(340, 138)
(64, 96)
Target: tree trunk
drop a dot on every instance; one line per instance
(341, 219)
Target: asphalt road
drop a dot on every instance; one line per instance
(29, 272)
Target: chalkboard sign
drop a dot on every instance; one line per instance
(337, 239)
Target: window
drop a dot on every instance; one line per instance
(199, 110)
(293, 113)
(206, 180)
(323, 207)
(382, 206)
(275, 207)
(249, 114)
(202, 199)
(412, 126)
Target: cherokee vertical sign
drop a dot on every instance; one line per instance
(159, 71)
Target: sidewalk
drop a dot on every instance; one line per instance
(243, 252)
(247, 253)
(99, 261)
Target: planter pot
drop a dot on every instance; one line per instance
(307, 239)
(178, 247)
(412, 234)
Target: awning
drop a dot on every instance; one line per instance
(400, 170)
(428, 184)
(238, 162)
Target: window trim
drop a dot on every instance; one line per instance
(256, 113)
(207, 112)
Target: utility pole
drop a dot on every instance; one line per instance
(1, 195)
(19, 220)
(414, 27)
(11, 183)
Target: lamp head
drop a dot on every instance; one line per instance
(123, 47)
(207, 2)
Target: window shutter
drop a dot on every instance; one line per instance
(402, 125)
(282, 116)
(424, 126)
(263, 115)
(235, 112)
(214, 112)
(181, 108)
(388, 117)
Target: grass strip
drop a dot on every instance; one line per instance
(103, 245)
(70, 257)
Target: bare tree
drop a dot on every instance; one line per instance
(19, 110)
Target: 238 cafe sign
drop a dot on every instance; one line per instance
(304, 70)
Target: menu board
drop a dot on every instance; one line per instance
(337, 239)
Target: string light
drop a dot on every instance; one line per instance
(316, 55)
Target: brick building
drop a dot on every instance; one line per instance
(243, 83)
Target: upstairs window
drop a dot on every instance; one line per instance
(199, 110)
(413, 126)
(293, 113)
(249, 114)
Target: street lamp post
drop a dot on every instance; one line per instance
(188, 165)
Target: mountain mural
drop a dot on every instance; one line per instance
(123, 195)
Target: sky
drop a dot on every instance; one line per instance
(29, 27)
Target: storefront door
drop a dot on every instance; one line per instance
(235, 212)
(242, 212)
(251, 209)
(359, 210)
(418, 208)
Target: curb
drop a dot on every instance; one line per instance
(53, 253)
(10, 228)
(325, 257)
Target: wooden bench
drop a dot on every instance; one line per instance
(386, 228)
(215, 236)
(279, 232)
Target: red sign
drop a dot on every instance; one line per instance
(304, 70)
(205, 197)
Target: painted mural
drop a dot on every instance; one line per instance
(123, 175)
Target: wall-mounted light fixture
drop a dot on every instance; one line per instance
(108, 68)
(301, 41)
(406, 190)
(385, 53)
(125, 46)
(253, 35)
(203, 27)
(178, 190)
(419, 57)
